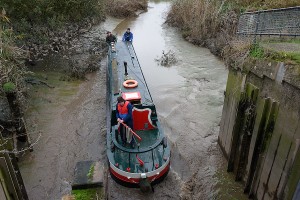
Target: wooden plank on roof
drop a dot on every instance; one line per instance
(115, 78)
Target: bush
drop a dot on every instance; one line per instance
(256, 51)
(9, 87)
(12, 68)
(203, 21)
(40, 11)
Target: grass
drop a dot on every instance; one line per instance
(256, 51)
(295, 57)
(291, 58)
(261, 53)
(89, 194)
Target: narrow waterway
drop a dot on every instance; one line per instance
(189, 97)
(69, 120)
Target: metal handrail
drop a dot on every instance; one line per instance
(142, 72)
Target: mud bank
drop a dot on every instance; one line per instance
(69, 123)
(66, 120)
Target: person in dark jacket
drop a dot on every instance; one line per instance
(128, 36)
(124, 115)
(110, 38)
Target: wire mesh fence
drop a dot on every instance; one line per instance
(284, 22)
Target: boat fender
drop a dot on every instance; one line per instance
(145, 185)
(164, 142)
(130, 83)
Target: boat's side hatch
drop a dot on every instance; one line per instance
(142, 119)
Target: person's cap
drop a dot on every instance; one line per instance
(128, 29)
(107, 32)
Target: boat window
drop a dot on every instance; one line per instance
(135, 102)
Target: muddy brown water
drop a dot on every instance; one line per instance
(70, 119)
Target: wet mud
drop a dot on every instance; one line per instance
(70, 123)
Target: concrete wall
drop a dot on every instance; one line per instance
(260, 128)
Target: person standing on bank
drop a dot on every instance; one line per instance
(128, 36)
(110, 38)
(124, 115)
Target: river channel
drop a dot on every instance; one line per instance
(188, 96)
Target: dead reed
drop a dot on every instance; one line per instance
(213, 23)
(12, 68)
(125, 8)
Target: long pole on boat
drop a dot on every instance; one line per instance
(134, 133)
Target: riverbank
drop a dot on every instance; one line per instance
(32, 31)
(214, 24)
(67, 119)
(28, 43)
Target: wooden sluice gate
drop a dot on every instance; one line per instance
(14, 140)
(12, 186)
(260, 130)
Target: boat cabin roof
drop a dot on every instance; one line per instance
(121, 54)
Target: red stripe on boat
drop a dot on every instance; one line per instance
(137, 180)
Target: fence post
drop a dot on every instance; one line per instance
(256, 27)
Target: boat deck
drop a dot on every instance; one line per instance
(151, 154)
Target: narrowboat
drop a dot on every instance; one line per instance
(148, 161)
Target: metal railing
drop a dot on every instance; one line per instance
(275, 22)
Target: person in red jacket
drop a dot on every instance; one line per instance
(124, 115)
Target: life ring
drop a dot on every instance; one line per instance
(130, 83)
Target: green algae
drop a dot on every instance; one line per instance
(294, 177)
(229, 189)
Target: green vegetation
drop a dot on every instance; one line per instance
(12, 69)
(30, 23)
(91, 172)
(214, 23)
(291, 58)
(260, 52)
(34, 20)
(88, 194)
(49, 11)
(256, 51)
(9, 87)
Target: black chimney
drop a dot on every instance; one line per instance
(125, 65)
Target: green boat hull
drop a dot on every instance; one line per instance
(148, 162)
